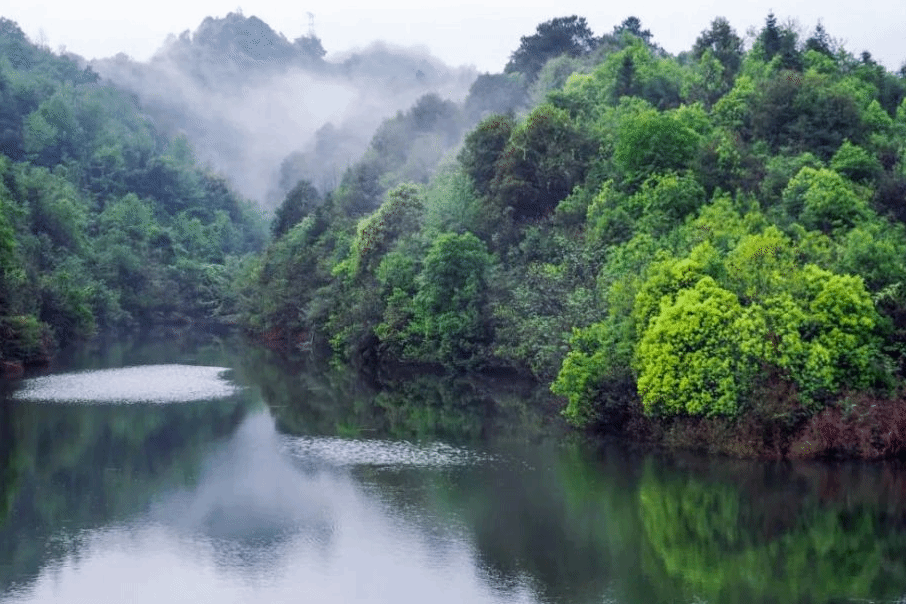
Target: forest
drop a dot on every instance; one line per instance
(703, 250)
(105, 224)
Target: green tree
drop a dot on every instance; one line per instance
(633, 27)
(821, 42)
(397, 275)
(563, 35)
(57, 208)
(770, 37)
(448, 324)
(665, 200)
(552, 77)
(823, 199)
(495, 94)
(825, 333)
(544, 159)
(689, 359)
(625, 84)
(299, 202)
(482, 148)
(66, 303)
(782, 41)
(104, 220)
(874, 250)
(725, 46)
(10, 270)
(52, 131)
(815, 116)
(401, 214)
(590, 376)
(652, 142)
(855, 163)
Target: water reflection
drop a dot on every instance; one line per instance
(145, 383)
(342, 452)
(322, 400)
(573, 523)
(78, 468)
(251, 493)
(775, 532)
(439, 489)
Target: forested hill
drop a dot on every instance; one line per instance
(104, 222)
(267, 111)
(705, 248)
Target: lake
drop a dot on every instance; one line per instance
(195, 469)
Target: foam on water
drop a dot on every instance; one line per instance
(347, 452)
(145, 383)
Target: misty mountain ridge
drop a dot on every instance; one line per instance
(246, 97)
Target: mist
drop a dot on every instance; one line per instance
(250, 101)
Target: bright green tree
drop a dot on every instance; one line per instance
(855, 163)
(825, 332)
(401, 213)
(448, 319)
(823, 199)
(689, 358)
(653, 142)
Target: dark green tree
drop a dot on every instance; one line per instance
(498, 93)
(806, 118)
(299, 203)
(820, 41)
(632, 26)
(432, 113)
(482, 147)
(563, 35)
(625, 84)
(781, 41)
(770, 37)
(725, 46)
(547, 155)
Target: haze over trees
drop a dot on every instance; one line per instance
(104, 223)
(267, 111)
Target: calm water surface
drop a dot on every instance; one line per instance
(205, 471)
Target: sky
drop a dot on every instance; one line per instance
(482, 33)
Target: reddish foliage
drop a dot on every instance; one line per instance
(11, 369)
(868, 429)
(776, 426)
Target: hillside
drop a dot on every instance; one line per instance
(105, 223)
(704, 249)
(250, 100)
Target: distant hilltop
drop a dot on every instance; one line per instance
(247, 98)
(247, 40)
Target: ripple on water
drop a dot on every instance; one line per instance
(347, 452)
(142, 384)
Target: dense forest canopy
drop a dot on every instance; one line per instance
(104, 223)
(713, 236)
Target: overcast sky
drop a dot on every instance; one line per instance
(477, 32)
